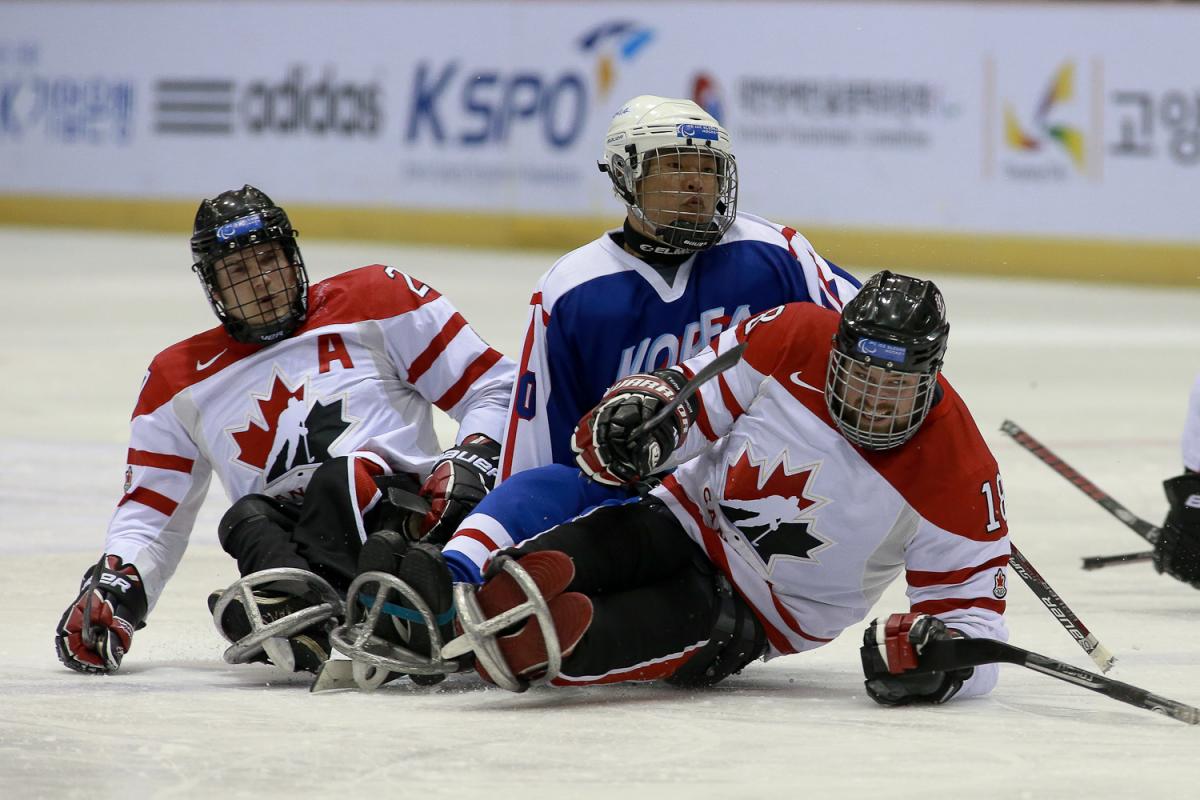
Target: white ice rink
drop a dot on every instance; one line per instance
(1100, 373)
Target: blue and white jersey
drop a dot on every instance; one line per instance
(601, 313)
(534, 501)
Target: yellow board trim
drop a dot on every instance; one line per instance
(1170, 264)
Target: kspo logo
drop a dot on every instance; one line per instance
(478, 107)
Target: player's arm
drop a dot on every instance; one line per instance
(957, 583)
(526, 441)
(1177, 551)
(438, 353)
(550, 393)
(166, 480)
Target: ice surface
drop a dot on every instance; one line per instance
(1099, 373)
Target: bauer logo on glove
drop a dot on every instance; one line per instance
(609, 443)
(462, 476)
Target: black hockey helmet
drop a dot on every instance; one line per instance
(886, 356)
(258, 290)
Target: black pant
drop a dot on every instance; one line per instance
(653, 592)
(320, 534)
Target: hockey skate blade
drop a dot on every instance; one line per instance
(345, 674)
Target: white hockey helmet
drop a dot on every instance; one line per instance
(693, 212)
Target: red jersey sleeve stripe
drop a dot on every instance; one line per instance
(478, 367)
(702, 420)
(922, 578)
(145, 458)
(731, 403)
(423, 362)
(479, 536)
(151, 499)
(958, 604)
(830, 290)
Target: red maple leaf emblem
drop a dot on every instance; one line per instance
(772, 511)
(255, 440)
(744, 481)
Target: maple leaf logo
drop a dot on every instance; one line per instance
(288, 432)
(772, 509)
(255, 441)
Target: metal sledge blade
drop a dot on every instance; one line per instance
(334, 675)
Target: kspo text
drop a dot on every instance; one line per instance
(488, 106)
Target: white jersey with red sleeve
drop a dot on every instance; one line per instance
(601, 313)
(811, 529)
(361, 376)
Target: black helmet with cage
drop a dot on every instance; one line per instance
(886, 357)
(245, 254)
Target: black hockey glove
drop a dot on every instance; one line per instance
(892, 648)
(604, 442)
(1177, 551)
(111, 613)
(460, 479)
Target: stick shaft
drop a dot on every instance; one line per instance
(960, 653)
(1140, 526)
(1061, 611)
(86, 630)
(1099, 562)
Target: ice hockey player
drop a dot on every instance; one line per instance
(684, 267)
(813, 476)
(1177, 551)
(303, 401)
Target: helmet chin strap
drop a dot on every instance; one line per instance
(653, 251)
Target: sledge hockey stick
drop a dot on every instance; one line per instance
(702, 376)
(1140, 526)
(86, 630)
(960, 653)
(1061, 611)
(1098, 562)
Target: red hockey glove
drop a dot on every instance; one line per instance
(1177, 551)
(606, 447)
(116, 609)
(462, 476)
(893, 648)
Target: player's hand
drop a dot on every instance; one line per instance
(606, 447)
(461, 477)
(893, 648)
(116, 610)
(1177, 551)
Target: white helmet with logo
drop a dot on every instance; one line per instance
(696, 202)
